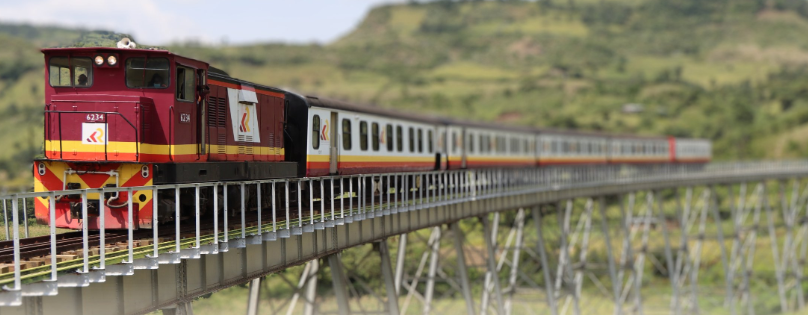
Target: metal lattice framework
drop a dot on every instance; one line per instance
(615, 229)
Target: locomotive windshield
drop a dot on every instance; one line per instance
(67, 72)
(151, 73)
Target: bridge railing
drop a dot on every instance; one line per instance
(189, 220)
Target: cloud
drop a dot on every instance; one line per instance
(146, 20)
(209, 21)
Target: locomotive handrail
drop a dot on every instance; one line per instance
(106, 122)
(170, 132)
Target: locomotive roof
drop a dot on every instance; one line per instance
(218, 74)
(115, 49)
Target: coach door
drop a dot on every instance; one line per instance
(333, 141)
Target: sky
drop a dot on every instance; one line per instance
(158, 22)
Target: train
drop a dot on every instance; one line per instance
(124, 117)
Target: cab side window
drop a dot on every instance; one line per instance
(151, 73)
(185, 84)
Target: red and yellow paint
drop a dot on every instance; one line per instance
(58, 174)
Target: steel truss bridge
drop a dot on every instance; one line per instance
(539, 229)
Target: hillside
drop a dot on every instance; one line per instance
(730, 70)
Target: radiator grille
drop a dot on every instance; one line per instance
(221, 141)
(217, 113)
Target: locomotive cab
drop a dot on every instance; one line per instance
(110, 116)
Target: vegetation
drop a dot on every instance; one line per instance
(733, 71)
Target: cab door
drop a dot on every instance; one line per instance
(334, 148)
(183, 113)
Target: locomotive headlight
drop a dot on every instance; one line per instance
(99, 60)
(111, 60)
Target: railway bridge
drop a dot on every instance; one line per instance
(559, 240)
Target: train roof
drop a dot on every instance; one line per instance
(370, 109)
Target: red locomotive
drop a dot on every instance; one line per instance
(138, 117)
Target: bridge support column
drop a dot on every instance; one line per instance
(618, 308)
(628, 260)
(545, 266)
(387, 274)
(311, 287)
(687, 262)
(489, 236)
(740, 258)
(461, 267)
(340, 283)
(520, 224)
(254, 297)
(402, 253)
(433, 268)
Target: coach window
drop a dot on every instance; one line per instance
(363, 135)
(185, 84)
(151, 73)
(389, 137)
(65, 72)
(315, 132)
(454, 141)
(399, 139)
(420, 140)
(346, 134)
(429, 141)
(471, 143)
(375, 134)
(412, 139)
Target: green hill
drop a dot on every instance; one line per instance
(730, 70)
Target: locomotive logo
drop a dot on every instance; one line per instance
(244, 117)
(324, 132)
(93, 133)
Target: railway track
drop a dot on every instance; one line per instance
(36, 251)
